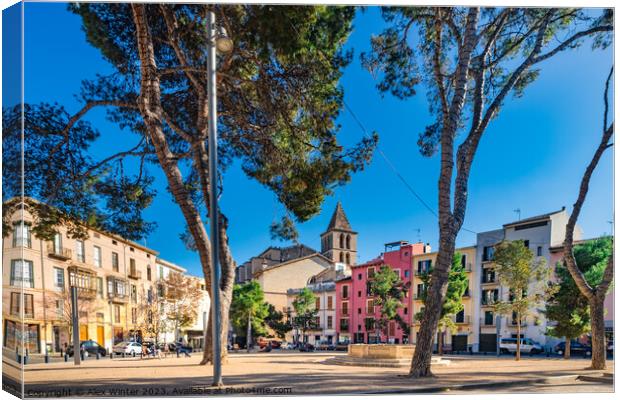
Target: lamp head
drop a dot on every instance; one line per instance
(223, 43)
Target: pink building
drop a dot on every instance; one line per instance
(356, 313)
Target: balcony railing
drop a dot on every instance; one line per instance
(61, 253)
(370, 310)
(462, 321)
(344, 312)
(418, 296)
(344, 327)
(420, 272)
(134, 274)
(489, 302)
(468, 267)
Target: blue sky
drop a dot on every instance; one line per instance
(531, 157)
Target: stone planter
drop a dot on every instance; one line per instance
(381, 351)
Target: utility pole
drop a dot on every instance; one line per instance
(518, 211)
(76, 326)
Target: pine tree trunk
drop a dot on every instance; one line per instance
(567, 342)
(597, 317)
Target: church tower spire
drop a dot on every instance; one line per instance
(339, 241)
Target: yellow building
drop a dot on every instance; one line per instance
(115, 276)
(463, 337)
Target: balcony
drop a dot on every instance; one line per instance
(344, 312)
(420, 272)
(344, 327)
(462, 321)
(468, 267)
(134, 274)
(117, 290)
(489, 302)
(60, 253)
(370, 310)
(418, 296)
(85, 280)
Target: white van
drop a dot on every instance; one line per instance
(528, 346)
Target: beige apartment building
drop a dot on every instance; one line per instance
(114, 276)
(463, 337)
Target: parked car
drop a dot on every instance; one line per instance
(575, 348)
(528, 346)
(263, 342)
(131, 348)
(326, 346)
(90, 346)
(344, 346)
(306, 347)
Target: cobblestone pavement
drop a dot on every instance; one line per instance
(286, 373)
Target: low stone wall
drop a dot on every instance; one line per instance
(381, 351)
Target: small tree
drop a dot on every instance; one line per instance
(151, 317)
(181, 295)
(275, 320)
(453, 304)
(62, 304)
(568, 308)
(518, 269)
(249, 308)
(305, 312)
(389, 291)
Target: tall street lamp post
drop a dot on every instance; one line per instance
(217, 40)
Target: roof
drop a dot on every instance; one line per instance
(170, 265)
(269, 268)
(339, 220)
(554, 249)
(535, 218)
(114, 236)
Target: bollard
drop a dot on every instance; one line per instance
(178, 353)
(123, 354)
(97, 355)
(111, 355)
(81, 355)
(66, 357)
(47, 358)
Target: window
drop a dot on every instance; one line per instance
(59, 279)
(148, 272)
(57, 243)
(488, 275)
(391, 328)
(21, 234)
(370, 306)
(359, 293)
(526, 243)
(345, 308)
(369, 324)
(488, 318)
(330, 322)
(359, 310)
(348, 241)
(134, 315)
(149, 295)
(22, 273)
(342, 241)
(348, 258)
(330, 303)
(359, 277)
(371, 272)
(424, 266)
(60, 309)
(160, 291)
(161, 272)
(100, 287)
(460, 317)
(28, 304)
(464, 261)
(421, 291)
(117, 314)
(97, 256)
(344, 325)
(487, 253)
(79, 250)
(317, 321)
(317, 303)
(368, 288)
(132, 267)
(341, 257)
(345, 292)
(134, 293)
(115, 261)
(406, 273)
(539, 251)
(405, 310)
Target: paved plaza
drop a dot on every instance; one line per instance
(294, 374)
